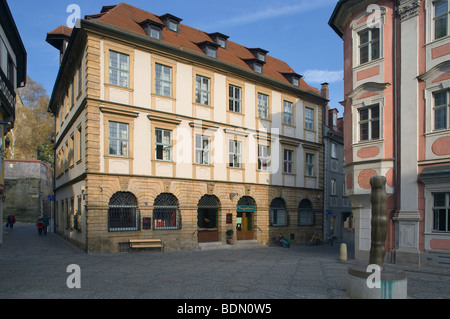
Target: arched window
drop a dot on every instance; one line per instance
(278, 213)
(123, 214)
(165, 212)
(305, 213)
(208, 207)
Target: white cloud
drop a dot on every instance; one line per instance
(321, 76)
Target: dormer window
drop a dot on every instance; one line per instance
(259, 54)
(152, 29)
(220, 39)
(255, 65)
(171, 22)
(209, 48)
(293, 78)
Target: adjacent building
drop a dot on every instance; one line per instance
(397, 124)
(28, 189)
(337, 207)
(13, 69)
(165, 131)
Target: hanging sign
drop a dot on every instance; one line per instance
(246, 208)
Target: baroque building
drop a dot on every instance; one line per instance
(164, 131)
(397, 124)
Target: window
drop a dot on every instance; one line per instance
(369, 123)
(118, 139)
(165, 212)
(263, 158)
(333, 187)
(235, 154)
(441, 212)
(309, 164)
(441, 110)
(278, 213)
(123, 214)
(163, 80)
(288, 113)
(309, 119)
(79, 143)
(163, 142)
(288, 161)
(80, 78)
(369, 45)
(119, 69)
(305, 213)
(440, 19)
(202, 150)
(333, 150)
(234, 93)
(202, 90)
(263, 106)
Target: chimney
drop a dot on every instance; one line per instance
(325, 91)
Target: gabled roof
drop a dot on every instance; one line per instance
(127, 18)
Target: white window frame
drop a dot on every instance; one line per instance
(235, 154)
(443, 15)
(119, 72)
(288, 113)
(369, 121)
(163, 80)
(263, 106)
(263, 157)
(234, 99)
(288, 161)
(120, 142)
(201, 91)
(309, 119)
(166, 150)
(202, 151)
(370, 45)
(445, 106)
(309, 164)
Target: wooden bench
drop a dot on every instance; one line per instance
(146, 243)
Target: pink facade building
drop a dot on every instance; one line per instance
(397, 122)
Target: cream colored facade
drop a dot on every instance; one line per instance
(88, 175)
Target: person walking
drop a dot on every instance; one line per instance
(40, 226)
(11, 220)
(46, 222)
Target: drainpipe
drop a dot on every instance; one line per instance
(395, 142)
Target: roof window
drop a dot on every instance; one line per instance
(152, 29)
(293, 78)
(209, 48)
(171, 22)
(220, 39)
(259, 54)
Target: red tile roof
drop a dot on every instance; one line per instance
(125, 17)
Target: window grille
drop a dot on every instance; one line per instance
(278, 213)
(123, 214)
(305, 214)
(246, 201)
(165, 212)
(209, 201)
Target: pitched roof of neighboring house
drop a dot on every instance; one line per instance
(128, 19)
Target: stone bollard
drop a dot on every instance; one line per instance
(373, 280)
(343, 252)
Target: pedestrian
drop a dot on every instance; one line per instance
(10, 221)
(46, 222)
(40, 226)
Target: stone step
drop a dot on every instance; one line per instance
(239, 244)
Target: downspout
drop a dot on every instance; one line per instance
(395, 124)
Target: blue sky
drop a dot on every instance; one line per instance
(295, 31)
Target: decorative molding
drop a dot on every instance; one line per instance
(408, 9)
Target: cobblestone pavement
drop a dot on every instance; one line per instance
(33, 266)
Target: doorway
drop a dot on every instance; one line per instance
(245, 218)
